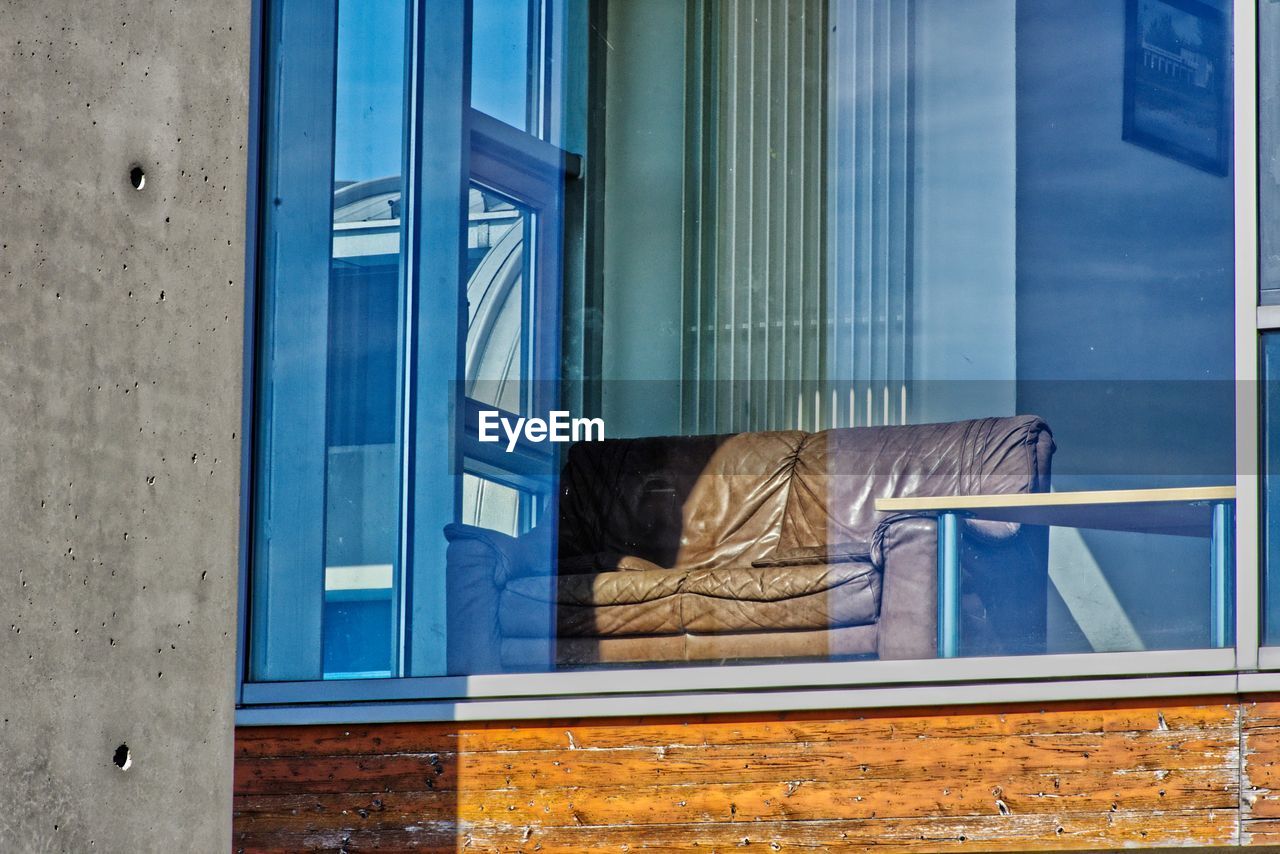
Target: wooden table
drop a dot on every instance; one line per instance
(1184, 511)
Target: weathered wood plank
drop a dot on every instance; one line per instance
(400, 772)
(1260, 712)
(705, 730)
(955, 758)
(992, 833)
(1260, 832)
(1098, 793)
(1082, 776)
(1260, 754)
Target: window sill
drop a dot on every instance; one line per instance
(623, 705)
(773, 687)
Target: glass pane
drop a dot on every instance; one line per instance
(504, 46)
(1269, 147)
(325, 577)
(498, 293)
(860, 262)
(820, 330)
(496, 506)
(1269, 236)
(1270, 436)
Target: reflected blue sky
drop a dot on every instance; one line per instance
(371, 71)
(369, 103)
(500, 59)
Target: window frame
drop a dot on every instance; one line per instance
(783, 686)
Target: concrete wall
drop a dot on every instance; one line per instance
(121, 331)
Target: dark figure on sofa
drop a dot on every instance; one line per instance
(757, 546)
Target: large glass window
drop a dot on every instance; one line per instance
(1270, 462)
(1269, 149)
(875, 329)
(1268, 296)
(326, 602)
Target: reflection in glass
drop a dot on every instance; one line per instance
(988, 244)
(362, 475)
(1269, 240)
(333, 300)
(497, 357)
(1269, 149)
(504, 41)
(1270, 440)
(829, 271)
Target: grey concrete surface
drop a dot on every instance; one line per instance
(121, 328)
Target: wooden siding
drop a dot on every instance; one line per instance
(1084, 776)
(1260, 773)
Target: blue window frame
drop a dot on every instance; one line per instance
(691, 220)
(360, 370)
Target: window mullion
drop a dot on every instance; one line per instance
(1247, 563)
(439, 196)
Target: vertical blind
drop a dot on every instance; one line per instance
(797, 216)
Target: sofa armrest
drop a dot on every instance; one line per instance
(478, 565)
(512, 557)
(501, 553)
(905, 549)
(1004, 587)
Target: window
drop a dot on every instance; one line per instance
(1269, 296)
(910, 325)
(1269, 161)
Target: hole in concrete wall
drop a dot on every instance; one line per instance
(137, 177)
(122, 758)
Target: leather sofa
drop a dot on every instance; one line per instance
(756, 546)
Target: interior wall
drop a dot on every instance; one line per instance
(643, 210)
(1124, 321)
(963, 321)
(121, 344)
(1125, 263)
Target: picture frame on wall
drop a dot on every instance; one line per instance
(1177, 82)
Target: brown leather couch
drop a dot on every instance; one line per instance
(756, 546)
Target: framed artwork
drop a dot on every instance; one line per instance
(1177, 80)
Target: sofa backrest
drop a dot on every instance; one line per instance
(702, 501)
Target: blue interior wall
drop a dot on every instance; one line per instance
(1125, 267)
(1124, 324)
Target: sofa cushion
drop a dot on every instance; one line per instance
(535, 653)
(635, 602)
(841, 642)
(662, 602)
(624, 587)
(693, 502)
(604, 562)
(814, 596)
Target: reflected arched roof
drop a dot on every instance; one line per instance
(368, 201)
(494, 317)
